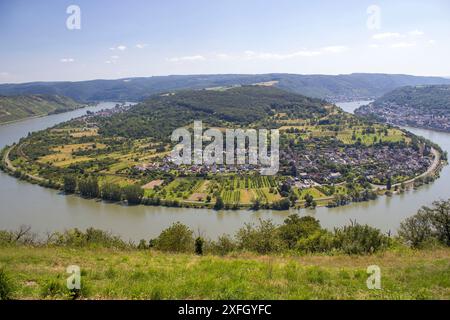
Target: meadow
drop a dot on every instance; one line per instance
(40, 273)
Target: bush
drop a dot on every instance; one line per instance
(295, 228)
(416, 230)
(319, 241)
(223, 245)
(176, 238)
(52, 288)
(92, 237)
(359, 239)
(5, 285)
(262, 239)
(199, 246)
(428, 225)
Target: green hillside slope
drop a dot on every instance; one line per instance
(13, 108)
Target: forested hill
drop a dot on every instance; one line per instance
(160, 115)
(331, 87)
(435, 99)
(421, 106)
(13, 108)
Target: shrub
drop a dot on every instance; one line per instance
(52, 288)
(359, 239)
(91, 237)
(223, 245)
(262, 239)
(428, 225)
(5, 285)
(319, 241)
(416, 230)
(199, 246)
(176, 238)
(295, 228)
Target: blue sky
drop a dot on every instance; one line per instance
(144, 38)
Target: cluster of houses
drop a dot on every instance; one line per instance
(407, 116)
(167, 165)
(327, 165)
(323, 165)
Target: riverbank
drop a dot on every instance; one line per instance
(84, 106)
(39, 273)
(432, 171)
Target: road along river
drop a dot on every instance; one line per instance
(48, 210)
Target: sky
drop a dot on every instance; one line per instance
(48, 40)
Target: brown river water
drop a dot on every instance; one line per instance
(48, 210)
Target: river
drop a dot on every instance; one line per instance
(45, 210)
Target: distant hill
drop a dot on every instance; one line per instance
(158, 116)
(332, 88)
(419, 106)
(13, 108)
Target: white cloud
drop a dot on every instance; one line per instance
(296, 54)
(432, 42)
(141, 45)
(335, 49)
(374, 45)
(114, 57)
(223, 56)
(4, 74)
(67, 60)
(416, 33)
(187, 58)
(386, 35)
(403, 45)
(119, 47)
(277, 56)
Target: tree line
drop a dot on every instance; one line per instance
(89, 187)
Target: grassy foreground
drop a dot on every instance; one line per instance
(40, 272)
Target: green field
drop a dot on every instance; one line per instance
(38, 273)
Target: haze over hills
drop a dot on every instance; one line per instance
(330, 87)
(418, 106)
(15, 108)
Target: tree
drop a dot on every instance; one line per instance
(199, 245)
(176, 238)
(219, 204)
(262, 239)
(389, 184)
(70, 184)
(111, 192)
(88, 187)
(360, 239)
(133, 194)
(295, 228)
(256, 204)
(428, 225)
(309, 201)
